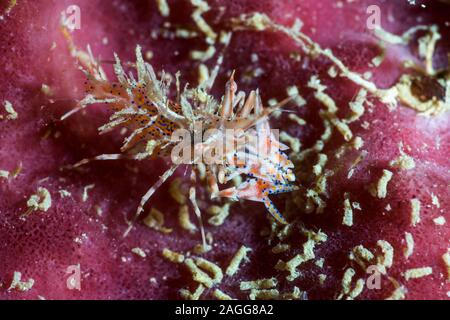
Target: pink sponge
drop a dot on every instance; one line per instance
(82, 229)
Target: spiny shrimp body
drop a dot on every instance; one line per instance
(143, 106)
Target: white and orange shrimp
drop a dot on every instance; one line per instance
(143, 106)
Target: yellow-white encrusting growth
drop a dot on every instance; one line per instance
(313, 197)
(264, 294)
(12, 114)
(47, 90)
(185, 34)
(18, 284)
(403, 39)
(435, 200)
(4, 174)
(385, 260)
(155, 220)
(439, 221)
(173, 256)
(201, 7)
(431, 107)
(10, 6)
(322, 278)
(42, 201)
(357, 107)
(187, 295)
(293, 142)
(346, 283)
(98, 210)
(408, 251)
(297, 119)
(86, 189)
(213, 269)
(378, 60)
(163, 7)
(417, 273)
(261, 22)
(176, 193)
(219, 214)
(332, 72)
(201, 276)
(150, 147)
(415, 211)
(399, 293)
(203, 74)
(139, 252)
(203, 55)
(348, 214)
(362, 256)
(314, 238)
(239, 257)
(201, 248)
(347, 280)
(331, 109)
(259, 284)
(296, 294)
(281, 247)
(357, 143)
(197, 274)
(380, 188)
(405, 86)
(404, 161)
(320, 165)
(426, 44)
(64, 193)
(283, 233)
(296, 261)
(357, 289)
(185, 219)
(220, 295)
(294, 94)
(446, 260)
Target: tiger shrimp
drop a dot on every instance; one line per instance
(143, 105)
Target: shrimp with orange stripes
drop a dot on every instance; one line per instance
(142, 104)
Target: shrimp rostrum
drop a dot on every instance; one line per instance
(229, 138)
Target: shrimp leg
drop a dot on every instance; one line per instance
(274, 211)
(148, 195)
(101, 158)
(193, 199)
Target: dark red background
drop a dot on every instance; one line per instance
(43, 245)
